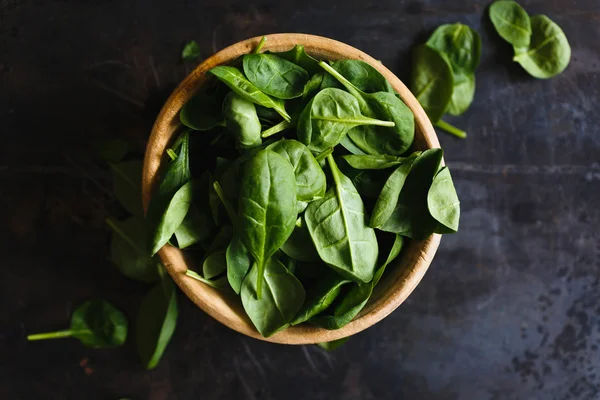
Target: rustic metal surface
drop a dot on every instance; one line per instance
(510, 308)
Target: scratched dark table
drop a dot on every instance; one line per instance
(510, 308)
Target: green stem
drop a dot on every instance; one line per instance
(228, 207)
(281, 111)
(260, 278)
(320, 157)
(280, 127)
(55, 335)
(122, 234)
(260, 45)
(172, 154)
(451, 129)
(358, 121)
(351, 88)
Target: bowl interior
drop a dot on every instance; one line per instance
(403, 275)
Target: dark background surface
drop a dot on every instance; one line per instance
(509, 309)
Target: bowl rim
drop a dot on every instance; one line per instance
(215, 303)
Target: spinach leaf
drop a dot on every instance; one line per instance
(298, 56)
(156, 321)
(460, 44)
(242, 121)
(411, 217)
(267, 206)
(299, 245)
(127, 178)
(214, 265)
(549, 52)
(363, 76)
(275, 76)
(267, 114)
(320, 296)
(170, 202)
(239, 262)
(191, 51)
(388, 198)
(378, 161)
(233, 78)
(511, 22)
(129, 251)
(432, 81)
(328, 117)
(310, 178)
(197, 224)
(276, 307)
(337, 225)
(393, 140)
(221, 239)
(202, 112)
(95, 323)
(442, 200)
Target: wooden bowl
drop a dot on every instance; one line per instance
(404, 274)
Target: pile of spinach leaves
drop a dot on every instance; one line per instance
(294, 184)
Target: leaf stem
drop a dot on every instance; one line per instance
(53, 335)
(451, 129)
(342, 79)
(323, 155)
(282, 126)
(228, 207)
(171, 154)
(260, 45)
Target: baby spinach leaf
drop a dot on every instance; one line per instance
(378, 161)
(242, 121)
(233, 78)
(442, 200)
(156, 321)
(511, 22)
(129, 251)
(432, 81)
(388, 198)
(202, 112)
(393, 140)
(298, 56)
(337, 225)
(95, 323)
(548, 53)
(197, 224)
(462, 95)
(395, 250)
(460, 44)
(310, 178)
(170, 203)
(411, 217)
(214, 265)
(127, 178)
(328, 117)
(267, 206)
(363, 76)
(279, 303)
(320, 296)
(191, 51)
(275, 75)
(299, 245)
(239, 262)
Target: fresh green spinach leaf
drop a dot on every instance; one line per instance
(298, 56)
(239, 262)
(299, 245)
(378, 161)
(202, 112)
(388, 198)
(242, 121)
(214, 265)
(275, 75)
(511, 22)
(442, 200)
(320, 296)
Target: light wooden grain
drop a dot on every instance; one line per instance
(404, 274)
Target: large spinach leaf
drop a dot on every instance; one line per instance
(338, 227)
(276, 307)
(328, 117)
(267, 206)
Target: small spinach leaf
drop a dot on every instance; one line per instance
(275, 309)
(233, 78)
(378, 161)
(388, 198)
(242, 121)
(95, 323)
(214, 265)
(239, 262)
(460, 44)
(442, 200)
(511, 22)
(275, 75)
(548, 53)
